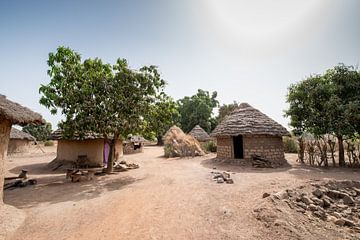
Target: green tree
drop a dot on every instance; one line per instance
(327, 104)
(163, 114)
(225, 110)
(197, 109)
(40, 132)
(97, 97)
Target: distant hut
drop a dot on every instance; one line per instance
(134, 144)
(12, 113)
(93, 147)
(200, 134)
(247, 132)
(19, 141)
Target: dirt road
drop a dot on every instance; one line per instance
(163, 199)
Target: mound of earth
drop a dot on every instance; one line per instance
(179, 144)
(318, 210)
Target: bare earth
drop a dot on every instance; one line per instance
(163, 199)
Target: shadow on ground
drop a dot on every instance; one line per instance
(55, 189)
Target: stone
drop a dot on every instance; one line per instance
(341, 207)
(302, 205)
(320, 214)
(334, 194)
(265, 195)
(340, 222)
(348, 200)
(306, 200)
(313, 207)
(301, 210)
(336, 214)
(220, 180)
(348, 222)
(229, 181)
(281, 195)
(318, 193)
(317, 201)
(326, 203)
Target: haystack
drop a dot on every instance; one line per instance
(179, 144)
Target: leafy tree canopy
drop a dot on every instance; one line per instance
(40, 132)
(225, 110)
(198, 109)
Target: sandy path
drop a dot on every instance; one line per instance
(163, 199)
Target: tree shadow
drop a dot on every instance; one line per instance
(35, 168)
(55, 189)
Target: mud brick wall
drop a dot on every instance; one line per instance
(269, 147)
(225, 147)
(5, 127)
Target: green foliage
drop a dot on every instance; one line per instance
(40, 132)
(327, 104)
(290, 145)
(225, 110)
(162, 115)
(210, 146)
(48, 143)
(97, 97)
(198, 109)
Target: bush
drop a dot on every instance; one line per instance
(48, 143)
(290, 145)
(210, 146)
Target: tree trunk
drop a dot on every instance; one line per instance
(341, 151)
(110, 164)
(301, 153)
(160, 141)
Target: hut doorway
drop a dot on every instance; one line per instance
(238, 147)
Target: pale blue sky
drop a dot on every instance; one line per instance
(248, 51)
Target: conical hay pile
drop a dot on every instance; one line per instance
(179, 144)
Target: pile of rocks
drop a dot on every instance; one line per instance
(123, 166)
(334, 201)
(222, 177)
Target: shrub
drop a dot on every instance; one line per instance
(48, 143)
(210, 146)
(290, 145)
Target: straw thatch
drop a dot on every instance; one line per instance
(179, 144)
(18, 114)
(57, 135)
(200, 134)
(20, 135)
(246, 120)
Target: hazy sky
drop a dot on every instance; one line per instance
(248, 51)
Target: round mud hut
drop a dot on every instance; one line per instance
(20, 141)
(12, 113)
(134, 144)
(92, 150)
(247, 133)
(200, 134)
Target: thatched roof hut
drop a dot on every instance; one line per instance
(246, 120)
(246, 132)
(19, 141)
(18, 114)
(200, 134)
(93, 146)
(12, 113)
(134, 144)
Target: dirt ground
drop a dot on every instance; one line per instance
(163, 199)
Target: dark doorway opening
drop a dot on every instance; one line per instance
(238, 147)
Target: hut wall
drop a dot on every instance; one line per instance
(269, 147)
(18, 146)
(5, 127)
(94, 149)
(129, 148)
(225, 147)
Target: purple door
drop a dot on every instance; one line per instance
(106, 152)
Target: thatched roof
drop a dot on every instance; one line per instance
(17, 134)
(57, 135)
(246, 120)
(199, 133)
(18, 114)
(135, 139)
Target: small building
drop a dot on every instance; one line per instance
(246, 132)
(200, 134)
(134, 144)
(12, 113)
(92, 146)
(20, 141)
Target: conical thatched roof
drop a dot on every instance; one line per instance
(17, 134)
(18, 114)
(246, 120)
(199, 133)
